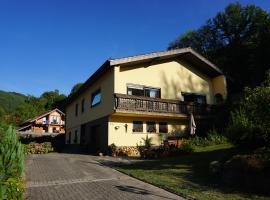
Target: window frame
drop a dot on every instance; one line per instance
(93, 95)
(133, 129)
(195, 94)
(143, 88)
(153, 123)
(162, 124)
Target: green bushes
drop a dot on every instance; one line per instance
(250, 124)
(145, 148)
(212, 138)
(112, 149)
(185, 148)
(11, 165)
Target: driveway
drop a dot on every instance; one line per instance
(70, 176)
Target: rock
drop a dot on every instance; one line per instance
(215, 167)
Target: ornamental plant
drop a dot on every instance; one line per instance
(11, 165)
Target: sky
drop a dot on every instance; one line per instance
(54, 44)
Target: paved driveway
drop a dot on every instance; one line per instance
(69, 176)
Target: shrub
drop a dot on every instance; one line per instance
(212, 138)
(241, 130)
(250, 124)
(11, 165)
(177, 133)
(144, 148)
(185, 148)
(112, 149)
(147, 142)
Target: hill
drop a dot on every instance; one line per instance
(9, 101)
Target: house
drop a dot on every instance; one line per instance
(129, 98)
(50, 122)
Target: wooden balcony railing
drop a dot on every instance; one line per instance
(146, 104)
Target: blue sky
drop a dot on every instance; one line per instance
(53, 44)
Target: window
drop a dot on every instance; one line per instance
(152, 92)
(96, 98)
(163, 127)
(54, 119)
(76, 109)
(195, 98)
(137, 126)
(135, 90)
(139, 90)
(76, 137)
(82, 106)
(151, 127)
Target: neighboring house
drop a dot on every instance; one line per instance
(128, 98)
(51, 122)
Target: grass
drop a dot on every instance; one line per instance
(189, 176)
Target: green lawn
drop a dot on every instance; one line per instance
(188, 175)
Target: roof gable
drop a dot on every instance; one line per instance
(186, 54)
(42, 115)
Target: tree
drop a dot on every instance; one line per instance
(11, 165)
(31, 107)
(237, 40)
(75, 88)
(51, 98)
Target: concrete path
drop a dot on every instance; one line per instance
(70, 176)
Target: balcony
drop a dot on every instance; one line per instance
(131, 104)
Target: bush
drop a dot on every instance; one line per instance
(112, 149)
(215, 138)
(241, 130)
(212, 138)
(250, 124)
(11, 165)
(177, 133)
(145, 148)
(185, 148)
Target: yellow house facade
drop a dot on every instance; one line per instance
(129, 98)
